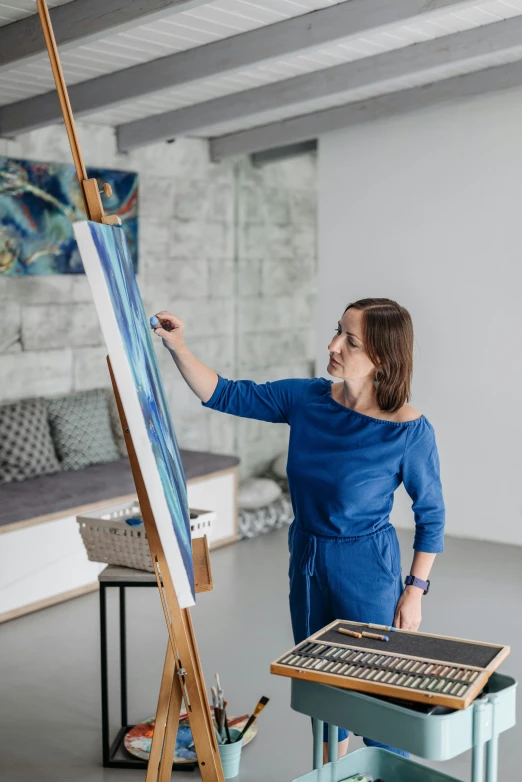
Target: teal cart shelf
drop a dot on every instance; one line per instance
(430, 736)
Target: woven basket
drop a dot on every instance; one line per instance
(108, 537)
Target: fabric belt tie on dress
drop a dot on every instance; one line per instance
(308, 568)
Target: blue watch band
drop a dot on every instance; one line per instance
(418, 582)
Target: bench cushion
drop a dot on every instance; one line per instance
(66, 490)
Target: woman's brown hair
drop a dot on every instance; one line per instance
(388, 342)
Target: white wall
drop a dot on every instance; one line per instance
(426, 209)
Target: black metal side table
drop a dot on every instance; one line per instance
(114, 754)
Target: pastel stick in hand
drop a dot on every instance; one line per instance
(155, 323)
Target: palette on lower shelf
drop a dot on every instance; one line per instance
(138, 739)
(412, 666)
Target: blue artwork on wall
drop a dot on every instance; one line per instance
(127, 335)
(39, 203)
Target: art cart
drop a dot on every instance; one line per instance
(432, 725)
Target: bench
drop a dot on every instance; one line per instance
(42, 557)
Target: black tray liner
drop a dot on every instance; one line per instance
(417, 645)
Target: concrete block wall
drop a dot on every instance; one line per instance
(231, 249)
(276, 252)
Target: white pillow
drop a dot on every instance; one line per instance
(257, 493)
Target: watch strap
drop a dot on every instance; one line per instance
(417, 582)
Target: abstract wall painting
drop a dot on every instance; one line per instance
(39, 203)
(127, 334)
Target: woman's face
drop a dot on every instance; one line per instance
(348, 359)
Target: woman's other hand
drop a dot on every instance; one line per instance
(408, 614)
(170, 329)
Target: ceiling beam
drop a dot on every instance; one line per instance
(465, 47)
(351, 17)
(283, 153)
(81, 20)
(310, 126)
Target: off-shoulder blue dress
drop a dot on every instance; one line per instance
(343, 469)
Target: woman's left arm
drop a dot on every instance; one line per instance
(421, 476)
(408, 614)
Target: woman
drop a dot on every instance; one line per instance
(352, 443)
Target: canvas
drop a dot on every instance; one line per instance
(127, 335)
(39, 203)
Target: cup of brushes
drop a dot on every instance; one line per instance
(230, 740)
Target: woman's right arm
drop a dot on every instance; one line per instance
(201, 379)
(273, 402)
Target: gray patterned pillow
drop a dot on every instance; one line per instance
(26, 446)
(117, 431)
(81, 429)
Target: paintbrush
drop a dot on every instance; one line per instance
(221, 720)
(219, 692)
(215, 703)
(257, 711)
(233, 721)
(221, 706)
(225, 722)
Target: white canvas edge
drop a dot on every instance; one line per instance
(132, 408)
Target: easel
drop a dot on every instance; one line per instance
(182, 677)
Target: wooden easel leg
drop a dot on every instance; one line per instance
(171, 730)
(179, 623)
(167, 681)
(167, 718)
(182, 649)
(198, 675)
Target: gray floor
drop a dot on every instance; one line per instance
(49, 661)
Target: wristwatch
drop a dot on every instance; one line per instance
(418, 582)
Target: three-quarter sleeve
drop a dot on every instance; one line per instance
(273, 402)
(421, 477)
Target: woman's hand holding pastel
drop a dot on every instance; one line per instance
(170, 329)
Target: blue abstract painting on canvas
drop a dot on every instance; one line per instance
(39, 203)
(125, 309)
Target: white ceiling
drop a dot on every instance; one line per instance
(220, 19)
(19, 9)
(175, 32)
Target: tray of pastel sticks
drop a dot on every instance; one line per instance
(412, 666)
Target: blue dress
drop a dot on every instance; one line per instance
(343, 469)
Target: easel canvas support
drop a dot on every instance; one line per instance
(182, 677)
